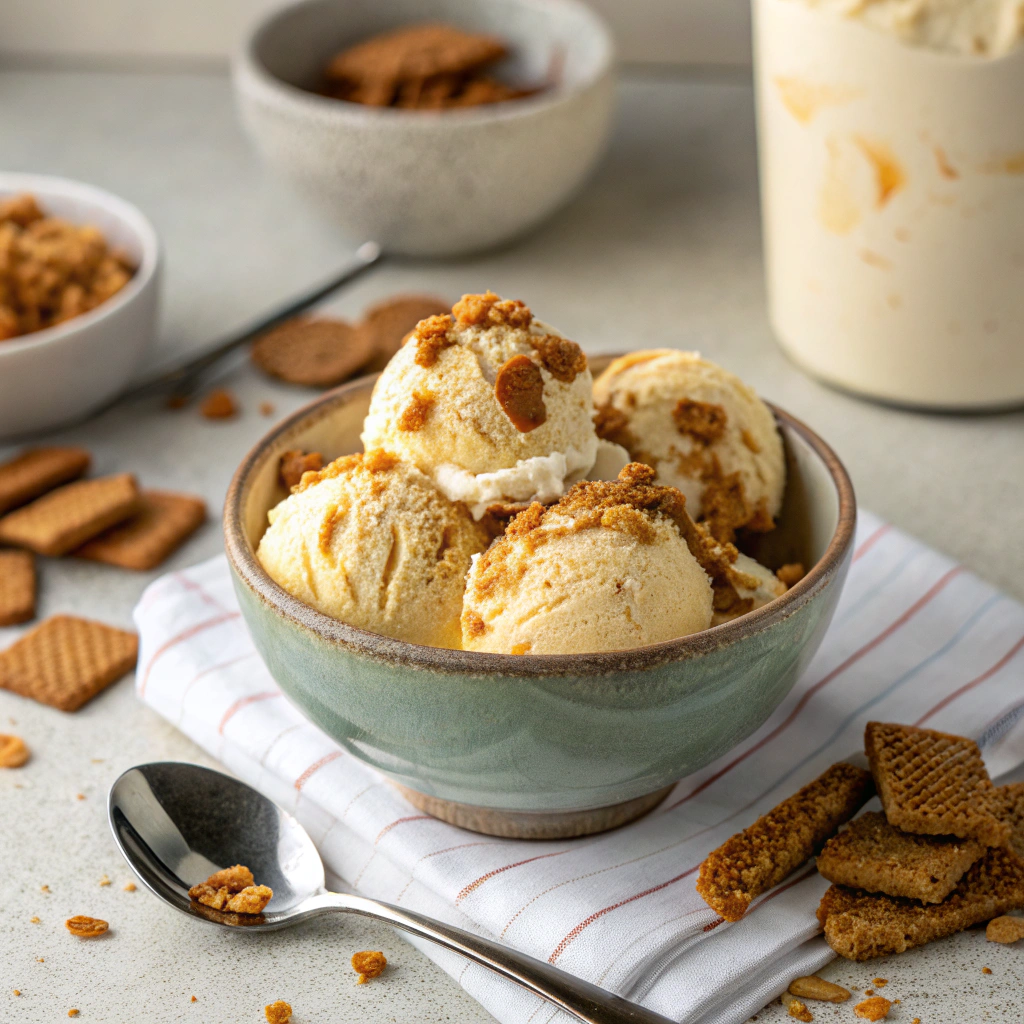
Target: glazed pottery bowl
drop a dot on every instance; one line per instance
(430, 182)
(58, 375)
(540, 746)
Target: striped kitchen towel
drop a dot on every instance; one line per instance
(915, 639)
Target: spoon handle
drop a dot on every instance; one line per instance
(586, 1002)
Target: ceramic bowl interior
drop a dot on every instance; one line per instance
(549, 41)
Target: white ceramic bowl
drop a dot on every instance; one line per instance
(423, 182)
(58, 375)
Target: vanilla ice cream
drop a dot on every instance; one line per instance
(371, 541)
(607, 568)
(490, 403)
(891, 155)
(702, 429)
(976, 27)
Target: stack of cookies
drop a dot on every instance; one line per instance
(946, 854)
(47, 508)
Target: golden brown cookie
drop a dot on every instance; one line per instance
(66, 518)
(388, 323)
(86, 927)
(65, 661)
(934, 783)
(37, 471)
(762, 855)
(164, 521)
(873, 855)
(294, 463)
(313, 353)
(17, 587)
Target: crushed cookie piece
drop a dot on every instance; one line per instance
(16, 991)
(232, 889)
(13, 751)
(880, 982)
(266, 408)
(44, 888)
(193, 999)
(519, 389)
(73, 1012)
(492, 311)
(86, 927)
(473, 623)
(79, 796)
(869, 991)
(414, 415)
(986, 970)
(368, 964)
(813, 987)
(562, 358)
(701, 420)
(761, 856)
(432, 339)
(294, 463)
(34, 920)
(104, 881)
(219, 405)
(791, 573)
(800, 1012)
(276, 1013)
(612, 424)
(130, 887)
(1005, 929)
(875, 1008)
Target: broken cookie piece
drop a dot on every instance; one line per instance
(873, 855)
(368, 964)
(234, 890)
(762, 855)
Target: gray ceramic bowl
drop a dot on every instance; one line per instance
(426, 183)
(540, 746)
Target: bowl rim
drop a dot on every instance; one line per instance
(244, 563)
(246, 61)
(44, 185)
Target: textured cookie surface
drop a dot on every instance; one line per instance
(66, 518)
(871, 854)
(861, 925)
(315, 353)
(37, 471)
(66, 661)
(762, 855)
(17, 587)
(388, 323)
(163, 522)
(933, 783)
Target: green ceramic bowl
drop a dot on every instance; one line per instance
(539, 746)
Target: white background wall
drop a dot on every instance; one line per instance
(134, 31)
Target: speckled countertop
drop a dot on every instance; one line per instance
(661, 249)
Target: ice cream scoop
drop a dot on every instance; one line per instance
(607, 568)
(370, 540)
(702, 429)
(493, 405)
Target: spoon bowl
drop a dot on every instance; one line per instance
(177, 823)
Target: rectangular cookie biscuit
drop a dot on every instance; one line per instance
(163, 522)
(66, 518)
(65, 661)
(17, 587)
(933, 783)
(37, 471)
(860, 925)
(873, 855)
(762, 855)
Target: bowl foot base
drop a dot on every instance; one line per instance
(494, 821)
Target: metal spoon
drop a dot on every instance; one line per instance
(177, 823)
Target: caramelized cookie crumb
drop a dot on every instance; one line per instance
(368, 964)
(276, 1013)
(491, 310)
(800, 1012)
(85, 927)
(875, 1008)
(519, 389)
(13, 751)
(130, 887)
(294, 463)
(986, 970)
(414, 415)
(791, 573)
(432, 339)
(701, 420)
(219, 405)
(562, 358)
(232, 889)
